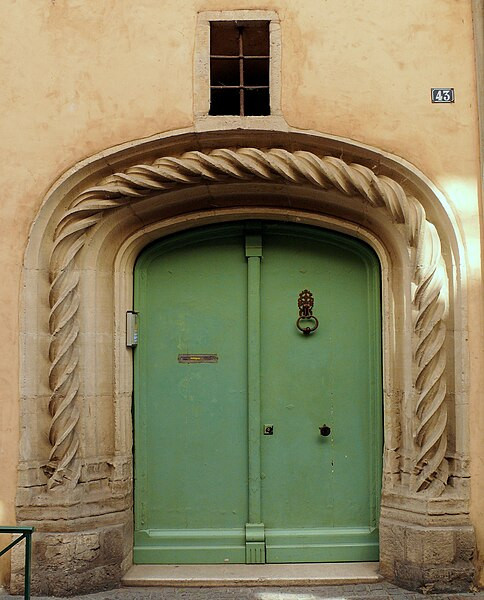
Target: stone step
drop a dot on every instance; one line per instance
(252, 575)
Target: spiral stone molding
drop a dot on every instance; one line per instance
(429, 284)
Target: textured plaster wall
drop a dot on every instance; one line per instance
(79, 76)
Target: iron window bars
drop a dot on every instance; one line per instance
(239, 68)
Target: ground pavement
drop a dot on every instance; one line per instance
(374, 591)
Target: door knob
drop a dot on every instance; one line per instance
(325, 430)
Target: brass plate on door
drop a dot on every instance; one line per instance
(197, 358)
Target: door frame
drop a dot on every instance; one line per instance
(99, 234)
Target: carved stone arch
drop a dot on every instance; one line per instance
(77, 275)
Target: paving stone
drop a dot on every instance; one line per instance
(377, 591)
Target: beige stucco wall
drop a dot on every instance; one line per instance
(79, 76)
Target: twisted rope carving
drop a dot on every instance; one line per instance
(249, 164)
(430, 291)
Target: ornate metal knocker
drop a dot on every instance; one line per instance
(305, 304)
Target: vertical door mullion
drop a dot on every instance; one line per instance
(255, 546)
(253, 369)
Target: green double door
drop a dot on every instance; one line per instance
(255, 442)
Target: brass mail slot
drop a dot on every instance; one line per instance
(197, 358)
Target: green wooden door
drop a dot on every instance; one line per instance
(220, 358)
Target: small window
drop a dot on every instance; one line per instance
(239, 68)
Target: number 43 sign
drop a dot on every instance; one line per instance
(440, 95)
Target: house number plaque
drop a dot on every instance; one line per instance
(442, 95)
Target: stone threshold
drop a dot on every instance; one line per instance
(303, 574)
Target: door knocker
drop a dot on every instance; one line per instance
(305, 304)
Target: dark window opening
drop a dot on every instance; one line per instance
(239, 68)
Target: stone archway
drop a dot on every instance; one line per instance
(80, 258)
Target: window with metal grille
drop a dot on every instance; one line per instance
(239, 68)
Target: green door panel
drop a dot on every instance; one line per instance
(191, 419)
(318, 492)
(207, 488)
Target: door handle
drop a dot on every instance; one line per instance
(324, 430)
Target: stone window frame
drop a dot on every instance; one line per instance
(201, 70)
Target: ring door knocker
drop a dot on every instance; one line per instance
(305, 304)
